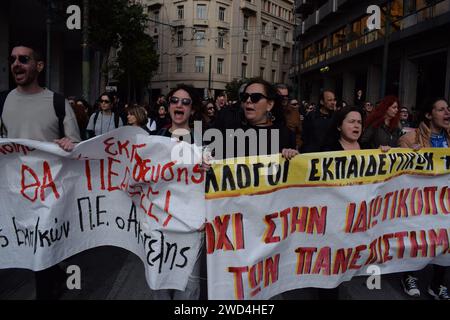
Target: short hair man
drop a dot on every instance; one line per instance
(318, 122)
(28, 110)
(221, 101)
(29, 113)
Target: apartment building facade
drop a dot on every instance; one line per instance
(209, 43)
(337, 50)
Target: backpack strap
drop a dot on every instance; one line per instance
(59, 103)
(95, 119)
(116, 119)
(3, 96)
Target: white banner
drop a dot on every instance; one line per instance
(124, 189)
(322, 219)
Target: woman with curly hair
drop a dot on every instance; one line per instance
(383, 125)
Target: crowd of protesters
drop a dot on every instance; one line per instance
(329, 124)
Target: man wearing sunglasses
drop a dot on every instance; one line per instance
(31, 111)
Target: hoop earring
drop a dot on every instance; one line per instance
(270, 116)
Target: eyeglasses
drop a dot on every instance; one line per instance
(105, 101)
(254, 97)
(211, 108)
(22, 59)
(284, 97)
(184, 101)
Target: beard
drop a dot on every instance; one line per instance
(25, 78)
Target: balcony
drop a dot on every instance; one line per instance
(178, 23)
(349, 43)
(200, 22)
(249, 7)
(223, 25)
(155, 4)
(424, 14)
(304, 7)
(265, 37)
(326, 9)
(311, 21)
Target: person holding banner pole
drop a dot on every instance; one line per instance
(184, 109)
(433, 132)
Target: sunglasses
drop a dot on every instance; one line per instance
(254, 97)
(184, 101)
(211, 108)
(105, 101)
(22, 59)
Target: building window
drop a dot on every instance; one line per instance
(286, 56)
(244, 71)
(263, 52)
(179, 64)
(244, 46)
(156, 15)
(275, 32)
(283, 77)
(286, 34)
(180, 12)
(274, 76)
(199, 38)
(246, 23)
(180, 38)
(201, 11)
(221, 14)
(264, 28)
(261, 72)
(156, 42)
(274, 54)
(220, 40)
(199, 64)
(219, 66)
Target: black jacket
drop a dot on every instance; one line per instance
(315, 128)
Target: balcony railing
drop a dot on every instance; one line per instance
(311, 21)
(325, 10)
(249, 6)
(405, 22)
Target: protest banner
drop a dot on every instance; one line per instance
(124, 189)
(321, 219)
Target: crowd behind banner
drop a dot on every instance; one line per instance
(279, 123)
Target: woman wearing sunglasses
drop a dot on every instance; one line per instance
(262, 112)
(184, 109)
(104, 119)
